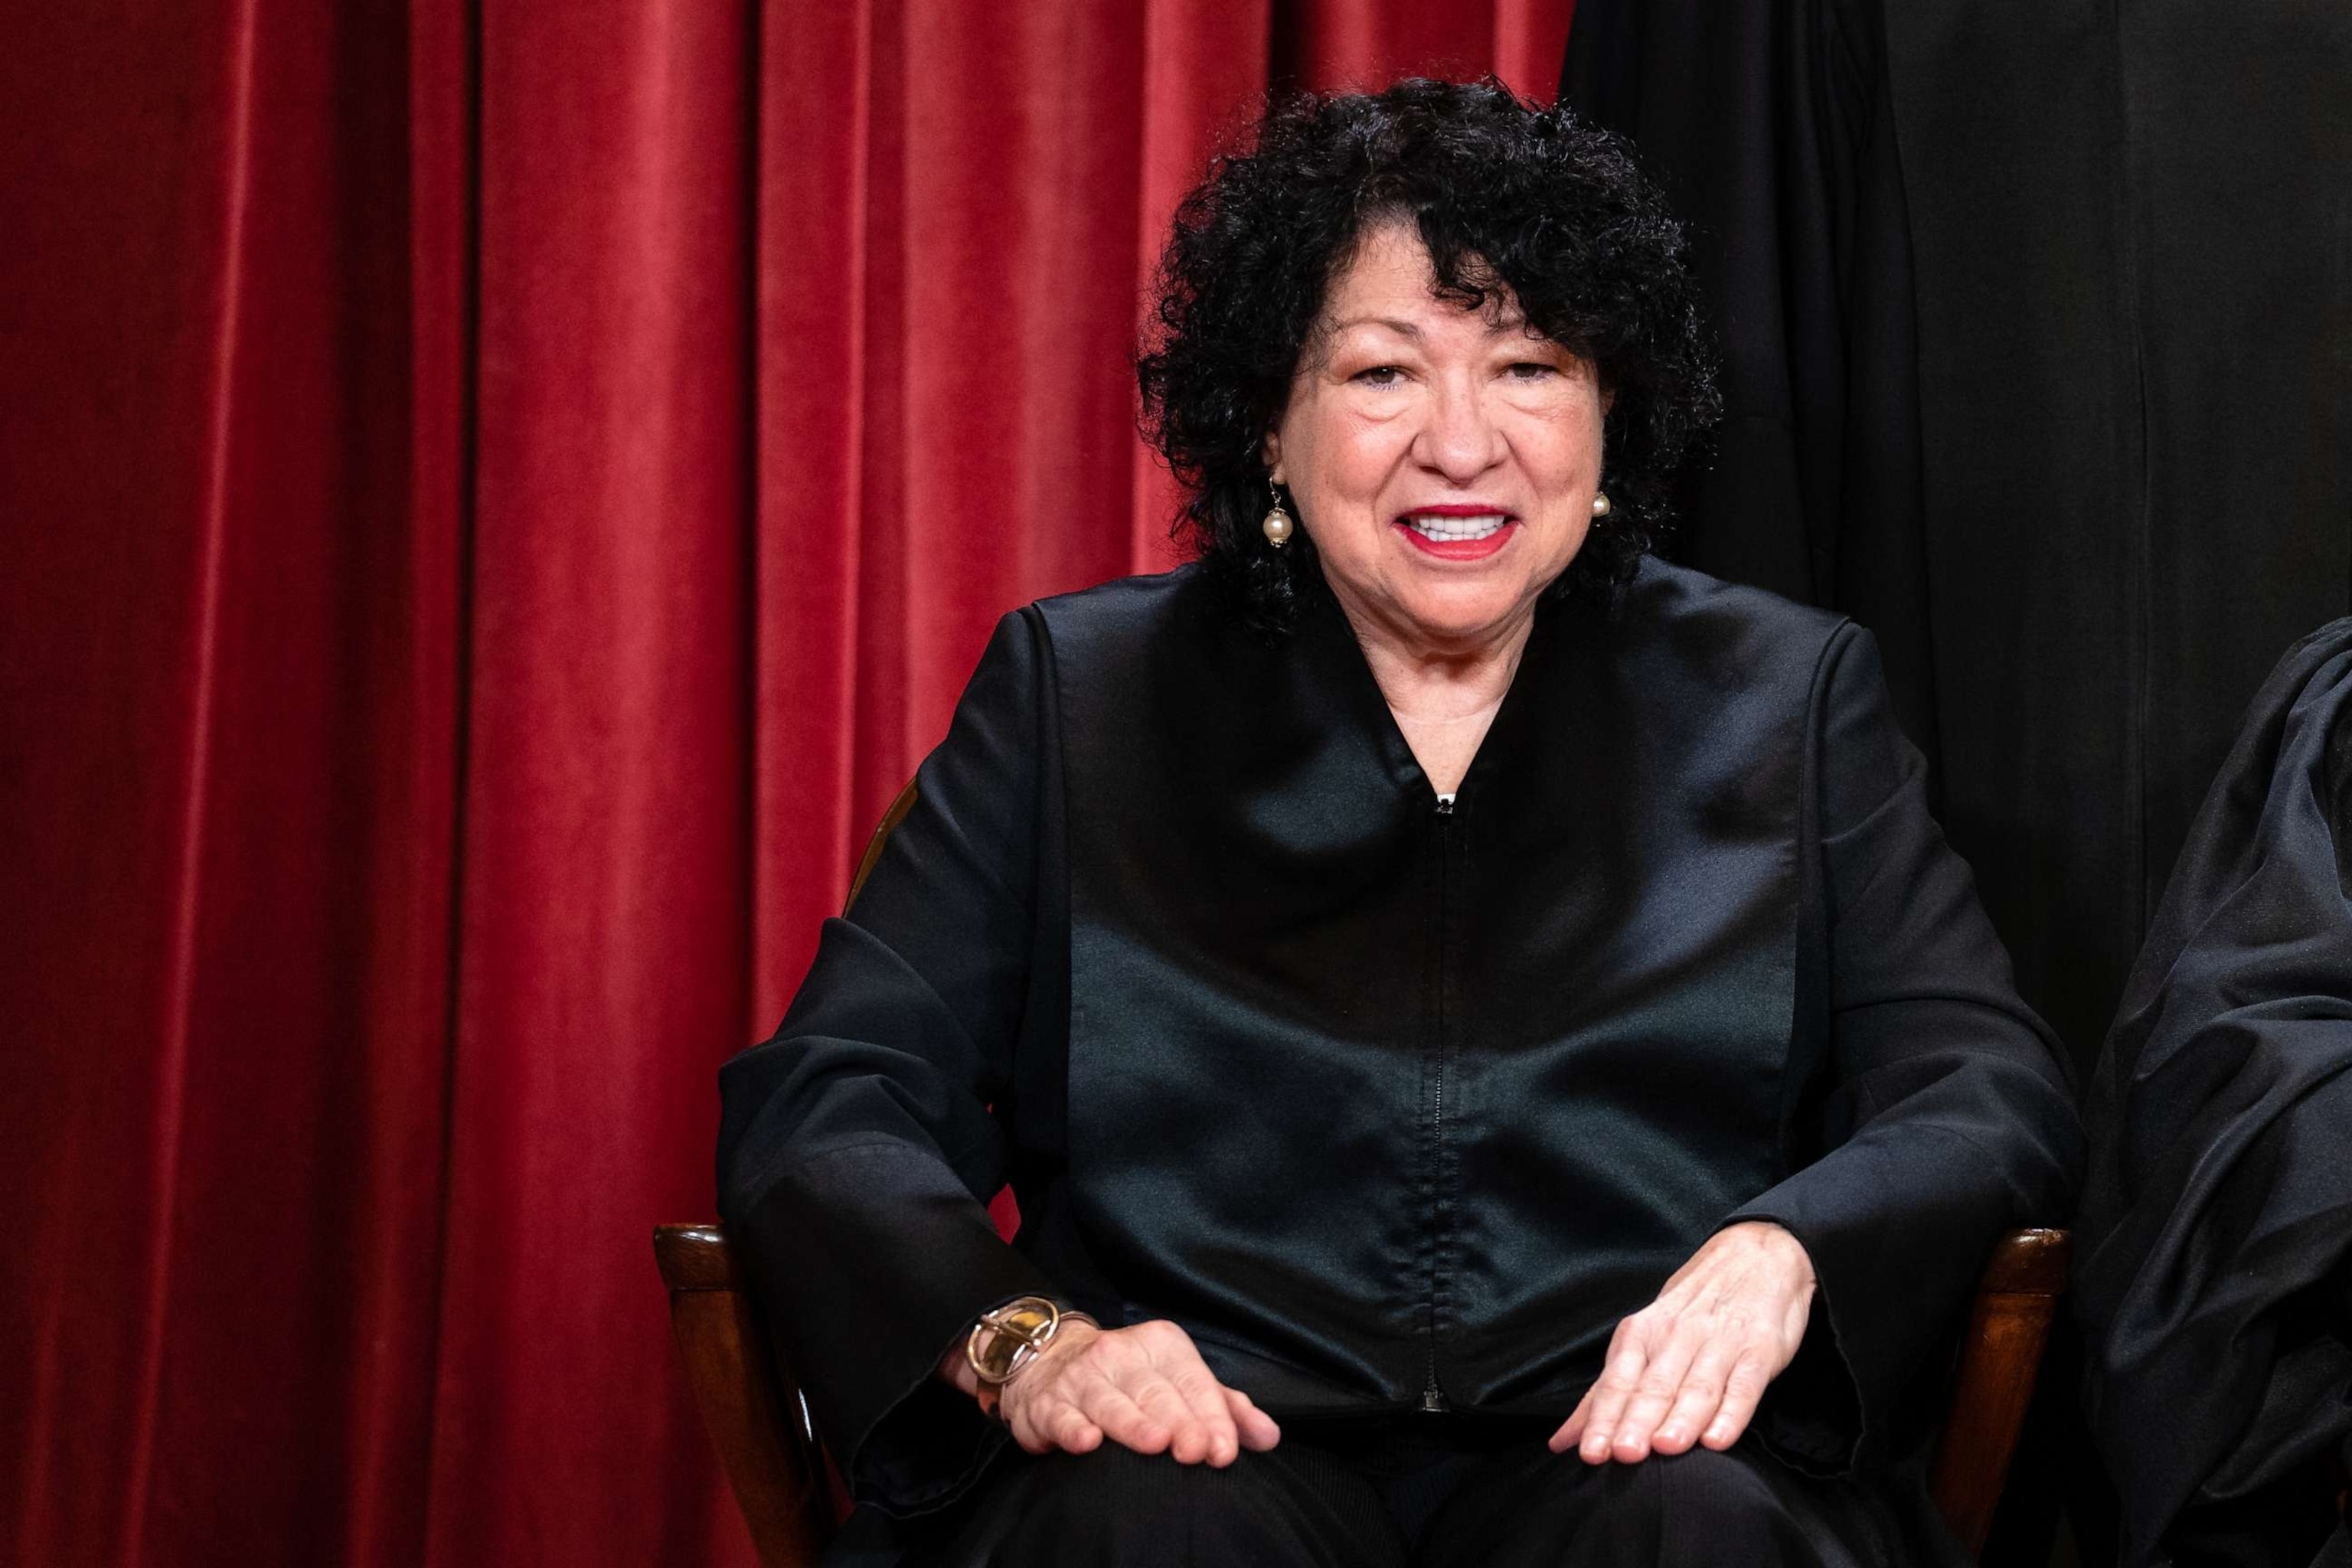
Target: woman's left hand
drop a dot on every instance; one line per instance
(1691, 1367)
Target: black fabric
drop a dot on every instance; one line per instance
(2034, 316)
(1398, 1493)
(2215, 1273)
(1770, 126)
(1391, 1108)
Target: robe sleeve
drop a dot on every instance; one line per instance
(1940, 1114)
(858, 1149)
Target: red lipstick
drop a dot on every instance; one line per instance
(1459, 549)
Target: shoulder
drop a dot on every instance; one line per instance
(1046, 638)
(1125, 607)
(1725, 636)
(1110, 636)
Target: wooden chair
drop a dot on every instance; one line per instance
(758, 1421)
(769, 1448)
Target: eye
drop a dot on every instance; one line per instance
(1379, 375)
(1531, 370)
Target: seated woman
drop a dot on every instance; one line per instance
(2214, 1279)
(1479, 1022)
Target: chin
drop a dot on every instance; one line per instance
(1465, 615)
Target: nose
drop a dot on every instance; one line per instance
(1459, 439)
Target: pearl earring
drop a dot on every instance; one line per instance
(1277, 522)
(1601, 503)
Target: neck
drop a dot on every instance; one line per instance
(1435, 683)
(1444, 696)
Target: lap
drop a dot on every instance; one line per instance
(1305, 1506)
(1539, 1509)
(1295, 1507)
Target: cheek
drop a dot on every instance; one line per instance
(1568, 444)
(1356, 456)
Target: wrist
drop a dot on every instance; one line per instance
(1003, 1345)
(1777, 1239)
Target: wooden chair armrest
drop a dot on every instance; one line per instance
(1999, 1359)
(750, 1404)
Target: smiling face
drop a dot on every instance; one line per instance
(1442, 459)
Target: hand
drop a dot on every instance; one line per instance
(1691, 1365)
(1144, 1387)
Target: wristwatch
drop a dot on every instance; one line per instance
(1007, 1340)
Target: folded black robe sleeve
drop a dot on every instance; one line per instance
(858, 1149)
(1942, 1116)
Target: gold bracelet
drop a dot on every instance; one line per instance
(1017, 1333)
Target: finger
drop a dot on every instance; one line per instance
(1742, 1392)
(1206, 1397)
(1701, 1397)
(1573, 1427)
(1123, 1421)
(1661, 1381)
(1626, 1360)
(1073, 1432)
(1161, 1400)
(1255, 1428)
(1030, 1419)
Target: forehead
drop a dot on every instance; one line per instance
(1388, 281)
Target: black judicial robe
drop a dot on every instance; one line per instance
(2215, 1280)
(1392, 1107)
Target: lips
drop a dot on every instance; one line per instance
(1458, 532)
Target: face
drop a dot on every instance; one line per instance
(1443, 459)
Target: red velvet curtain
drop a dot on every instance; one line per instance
(496, 497)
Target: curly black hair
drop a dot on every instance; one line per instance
(1504, 195)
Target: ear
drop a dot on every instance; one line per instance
(1270, 449)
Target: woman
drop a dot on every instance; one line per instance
(1479, 1022)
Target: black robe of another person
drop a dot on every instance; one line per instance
(2215, 1275)
(1397, 1106)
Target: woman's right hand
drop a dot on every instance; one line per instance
(1144, 1387)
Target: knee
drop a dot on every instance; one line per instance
(1694, 1507)
(1703, 1494)
(1116, 1506)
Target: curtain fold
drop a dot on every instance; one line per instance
(496, 498)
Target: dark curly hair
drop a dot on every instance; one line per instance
(1503, 194)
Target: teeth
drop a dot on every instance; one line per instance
(1453, 528)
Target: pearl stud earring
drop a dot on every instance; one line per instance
(1601, 503)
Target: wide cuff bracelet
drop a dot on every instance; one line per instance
(1008, 1339)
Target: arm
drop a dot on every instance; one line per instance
(1938, 1117)
(857, 1148)
(1943, 1115)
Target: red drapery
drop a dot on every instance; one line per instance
(497, 498)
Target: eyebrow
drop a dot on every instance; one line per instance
(1494, 329)
(1390, 322)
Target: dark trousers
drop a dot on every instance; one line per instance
(1388, 1496)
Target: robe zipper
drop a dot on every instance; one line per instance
(1432, 1398)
